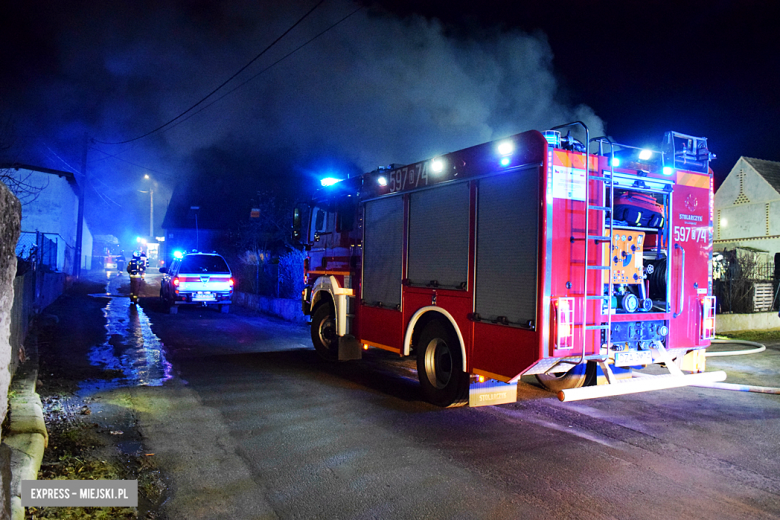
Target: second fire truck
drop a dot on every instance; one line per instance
(536, 254)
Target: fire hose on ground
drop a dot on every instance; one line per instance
(758, 347)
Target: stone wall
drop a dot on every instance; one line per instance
(10, 227)
(289, 310)
(753, 321)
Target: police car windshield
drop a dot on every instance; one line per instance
(203, 264)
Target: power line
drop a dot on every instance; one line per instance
(222, 85)
(71, 168)
(307, 42)
(114, 156)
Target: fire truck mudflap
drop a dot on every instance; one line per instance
(509, 259)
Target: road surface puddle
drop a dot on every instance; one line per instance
(131, 350)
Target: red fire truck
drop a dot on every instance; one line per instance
(536, 254)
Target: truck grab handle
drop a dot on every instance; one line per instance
(682, 281)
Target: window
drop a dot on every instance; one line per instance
(204, 264)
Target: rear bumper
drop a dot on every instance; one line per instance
(192, 297)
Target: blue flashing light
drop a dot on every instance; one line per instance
(437, 165)
(382, 181)
(645, 154)
(615, 162)
(330, 181)
(178, 254)
(505, 161)
(553, 138)
(668, 170)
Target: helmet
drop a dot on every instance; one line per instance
(136, 254)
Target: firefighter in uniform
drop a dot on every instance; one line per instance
(135, 268)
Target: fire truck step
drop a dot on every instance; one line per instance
(644, 384)
(603, 297)
(596, 327)
(600, 208)
(601, 267)
(599, 178)
(599, 238)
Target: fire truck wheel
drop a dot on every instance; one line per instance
(323, 332)
(439, 366)
(580, 375)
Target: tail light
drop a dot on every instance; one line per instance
(564, 323)
(231, 282)
(708, 317)
(175, 281)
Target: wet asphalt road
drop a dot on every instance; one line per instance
(247, 422)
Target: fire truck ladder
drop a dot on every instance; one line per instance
(599, 239)
(606, 178)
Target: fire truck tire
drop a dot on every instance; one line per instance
(580, 375)
(439, 362)
(323, 332)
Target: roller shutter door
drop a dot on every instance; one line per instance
(439, 236)
(382, 252)
(507, 246)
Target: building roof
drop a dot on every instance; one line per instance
(68, 175)
(769, 170)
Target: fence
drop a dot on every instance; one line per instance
(280, 278)
(743, 285)
(33, 291)
(40, 279)
(43, 250)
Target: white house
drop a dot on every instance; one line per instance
(51, 209)
(747, 207)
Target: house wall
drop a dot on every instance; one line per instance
(747, 211)
(55, 213)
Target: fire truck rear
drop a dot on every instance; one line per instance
(538, 254)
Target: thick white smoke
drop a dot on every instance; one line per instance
(376, 89)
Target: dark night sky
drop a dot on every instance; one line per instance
(399, 81)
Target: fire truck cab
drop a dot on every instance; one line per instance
(535, 254)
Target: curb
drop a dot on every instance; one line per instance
(27, 437)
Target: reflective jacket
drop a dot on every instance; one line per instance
(135, 267)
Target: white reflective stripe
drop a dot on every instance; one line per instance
(432, 308)
(339, 296)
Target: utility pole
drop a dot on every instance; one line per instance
(151, 214)
(80, 219)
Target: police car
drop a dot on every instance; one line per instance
(197, 279)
